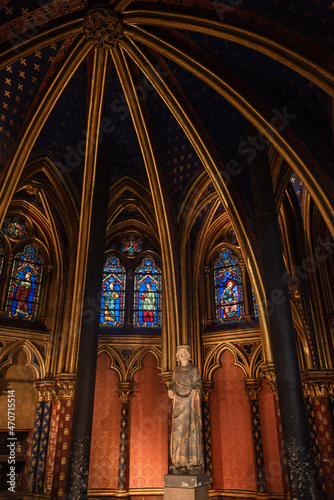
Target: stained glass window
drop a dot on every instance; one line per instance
(113, 293)
(25, 283)
(147, 295)
(131, 246)
(14, 228)
(2, 256)
(228, 289)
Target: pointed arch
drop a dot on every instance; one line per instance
(212, 360)
(35, 359)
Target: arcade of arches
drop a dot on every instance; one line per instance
(166, 178)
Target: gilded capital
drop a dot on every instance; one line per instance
(102, 28)
(166, 378)
(47, 390)
(125, 391)
(270, 376)
(206, 391)
(316, 388)
(253, 387)
(66, 388)
(331, 388)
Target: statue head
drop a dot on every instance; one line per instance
(184, 351)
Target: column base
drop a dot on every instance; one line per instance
(186, 487)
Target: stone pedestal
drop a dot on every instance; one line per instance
(186, 487)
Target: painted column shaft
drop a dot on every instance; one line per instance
(35, 447)
(43, 447)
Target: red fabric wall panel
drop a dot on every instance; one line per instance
(232, 446)
(148, 428)
(103, 468)
(270, 440)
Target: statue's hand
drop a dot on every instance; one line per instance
(170, 394)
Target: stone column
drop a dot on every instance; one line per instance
(206, 423)
(270, 376)
(302, 477)
(207, 272)
(167, 379)
(125, 391)
(7, 268)
(253, 387)
(317, 392)
(35, 441)
(66, 397)
(308, 391)
(92, 235)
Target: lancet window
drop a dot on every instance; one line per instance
(113, 293)
(25, 283)
(228, 288)
(147, 295)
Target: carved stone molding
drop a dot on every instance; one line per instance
(125, 391)
(31, 189)
(102, 28)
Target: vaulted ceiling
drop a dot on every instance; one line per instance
(179, 80)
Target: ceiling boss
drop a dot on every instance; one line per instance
(102, 28)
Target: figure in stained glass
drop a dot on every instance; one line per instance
(113, 294)
(229, 300)
(228, 289)
(148, 304)
(24, 285)
(131, 246)
(147, 295)
(110, 297)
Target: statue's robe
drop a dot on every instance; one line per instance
(186, 446)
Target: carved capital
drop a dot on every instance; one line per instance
(125, 391)
(102, 28)
(207, 270)
(253, 387)
(331, 388)
(66, 388)
(166, 378)
(206, 390)
(47, 390)
(316, 388)
(270, 376)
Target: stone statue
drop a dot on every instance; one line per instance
(186, 441)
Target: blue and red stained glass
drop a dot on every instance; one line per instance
(147, 295)
(228, 289)
(14, 228)
(113, 294)
(25, 284)
(131, 246)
